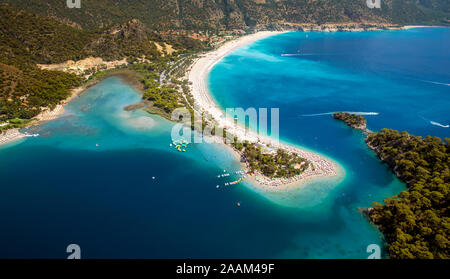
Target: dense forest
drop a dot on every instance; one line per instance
(24, 93)
(162, 96)
(352, 120)
(416, 223)
(279, 164)
(220, 14)
(24, 40)
(27, 39)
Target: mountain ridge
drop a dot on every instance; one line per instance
(28, 40)
(237, 14)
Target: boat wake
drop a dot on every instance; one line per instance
(434, 122)
(331, 113)
(439, 124)
(303, 54)
(293, 54)
(435, 82)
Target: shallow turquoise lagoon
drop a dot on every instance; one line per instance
(107, 180)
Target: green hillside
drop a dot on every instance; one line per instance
(206, 14)
(27, 39)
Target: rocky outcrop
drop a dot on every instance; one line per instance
(357, 122)
(133, 29)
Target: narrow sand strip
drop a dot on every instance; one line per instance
(420, 26)
(198, 75)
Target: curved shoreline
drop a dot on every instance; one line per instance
(14, 134)
(197, 76)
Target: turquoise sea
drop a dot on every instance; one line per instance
(107, 180)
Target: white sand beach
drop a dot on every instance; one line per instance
(198, 74)
(323, 167)
(48, 115)
(10, 135)
(419, 26)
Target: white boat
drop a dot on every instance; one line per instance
(31, 135)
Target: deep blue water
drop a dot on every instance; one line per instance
(88, 179)
(403, 75)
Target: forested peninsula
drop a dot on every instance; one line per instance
(416, 222)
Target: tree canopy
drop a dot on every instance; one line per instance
(416, 222)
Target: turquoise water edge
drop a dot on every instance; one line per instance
(107, 180)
